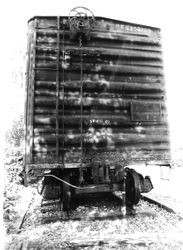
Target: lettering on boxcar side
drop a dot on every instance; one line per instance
(99, 122)
(145, 111)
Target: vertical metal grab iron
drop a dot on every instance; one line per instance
(63, 94)
(57, 88)
(81, 107)
(81, 21)
(60, 83)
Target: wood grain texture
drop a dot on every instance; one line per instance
(123, 94)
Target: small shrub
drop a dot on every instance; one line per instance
(15, 135)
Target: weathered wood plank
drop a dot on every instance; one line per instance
(47, 48)
(116, 69)
(100, 112)
(147, 128)
(106, 24)
(73, 99)
(124, 157)
(94, 101)
(123, 93)
(91, 62)
(132, 68)
(102, 84)
(100, 139)
(107, 89)
(96, 110)
(126, 37)
(30, 94)
(49, 75)
(95, 56)
(103, 24)
(103, 134)
(143, 148)
(27, 101)
(112, 52)
(105, 120)
(50, 34)
(49, 85)
(151, 130)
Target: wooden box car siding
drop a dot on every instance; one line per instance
(123, 100)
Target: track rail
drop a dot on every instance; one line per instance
(50, 215)
(95, 216)
(160, 205)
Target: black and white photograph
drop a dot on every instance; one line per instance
(92, 125)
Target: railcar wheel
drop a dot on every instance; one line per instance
(132, 186)
(66, 194)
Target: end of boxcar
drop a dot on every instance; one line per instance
(95, 104)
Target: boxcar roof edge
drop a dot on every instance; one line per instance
(100, 17)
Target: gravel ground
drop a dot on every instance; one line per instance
(150, 228)
(168, 191)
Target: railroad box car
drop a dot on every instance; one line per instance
(96, 99)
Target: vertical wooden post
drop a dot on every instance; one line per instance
(29, 92)
(30, 122)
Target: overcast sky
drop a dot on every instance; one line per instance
(166, 15)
